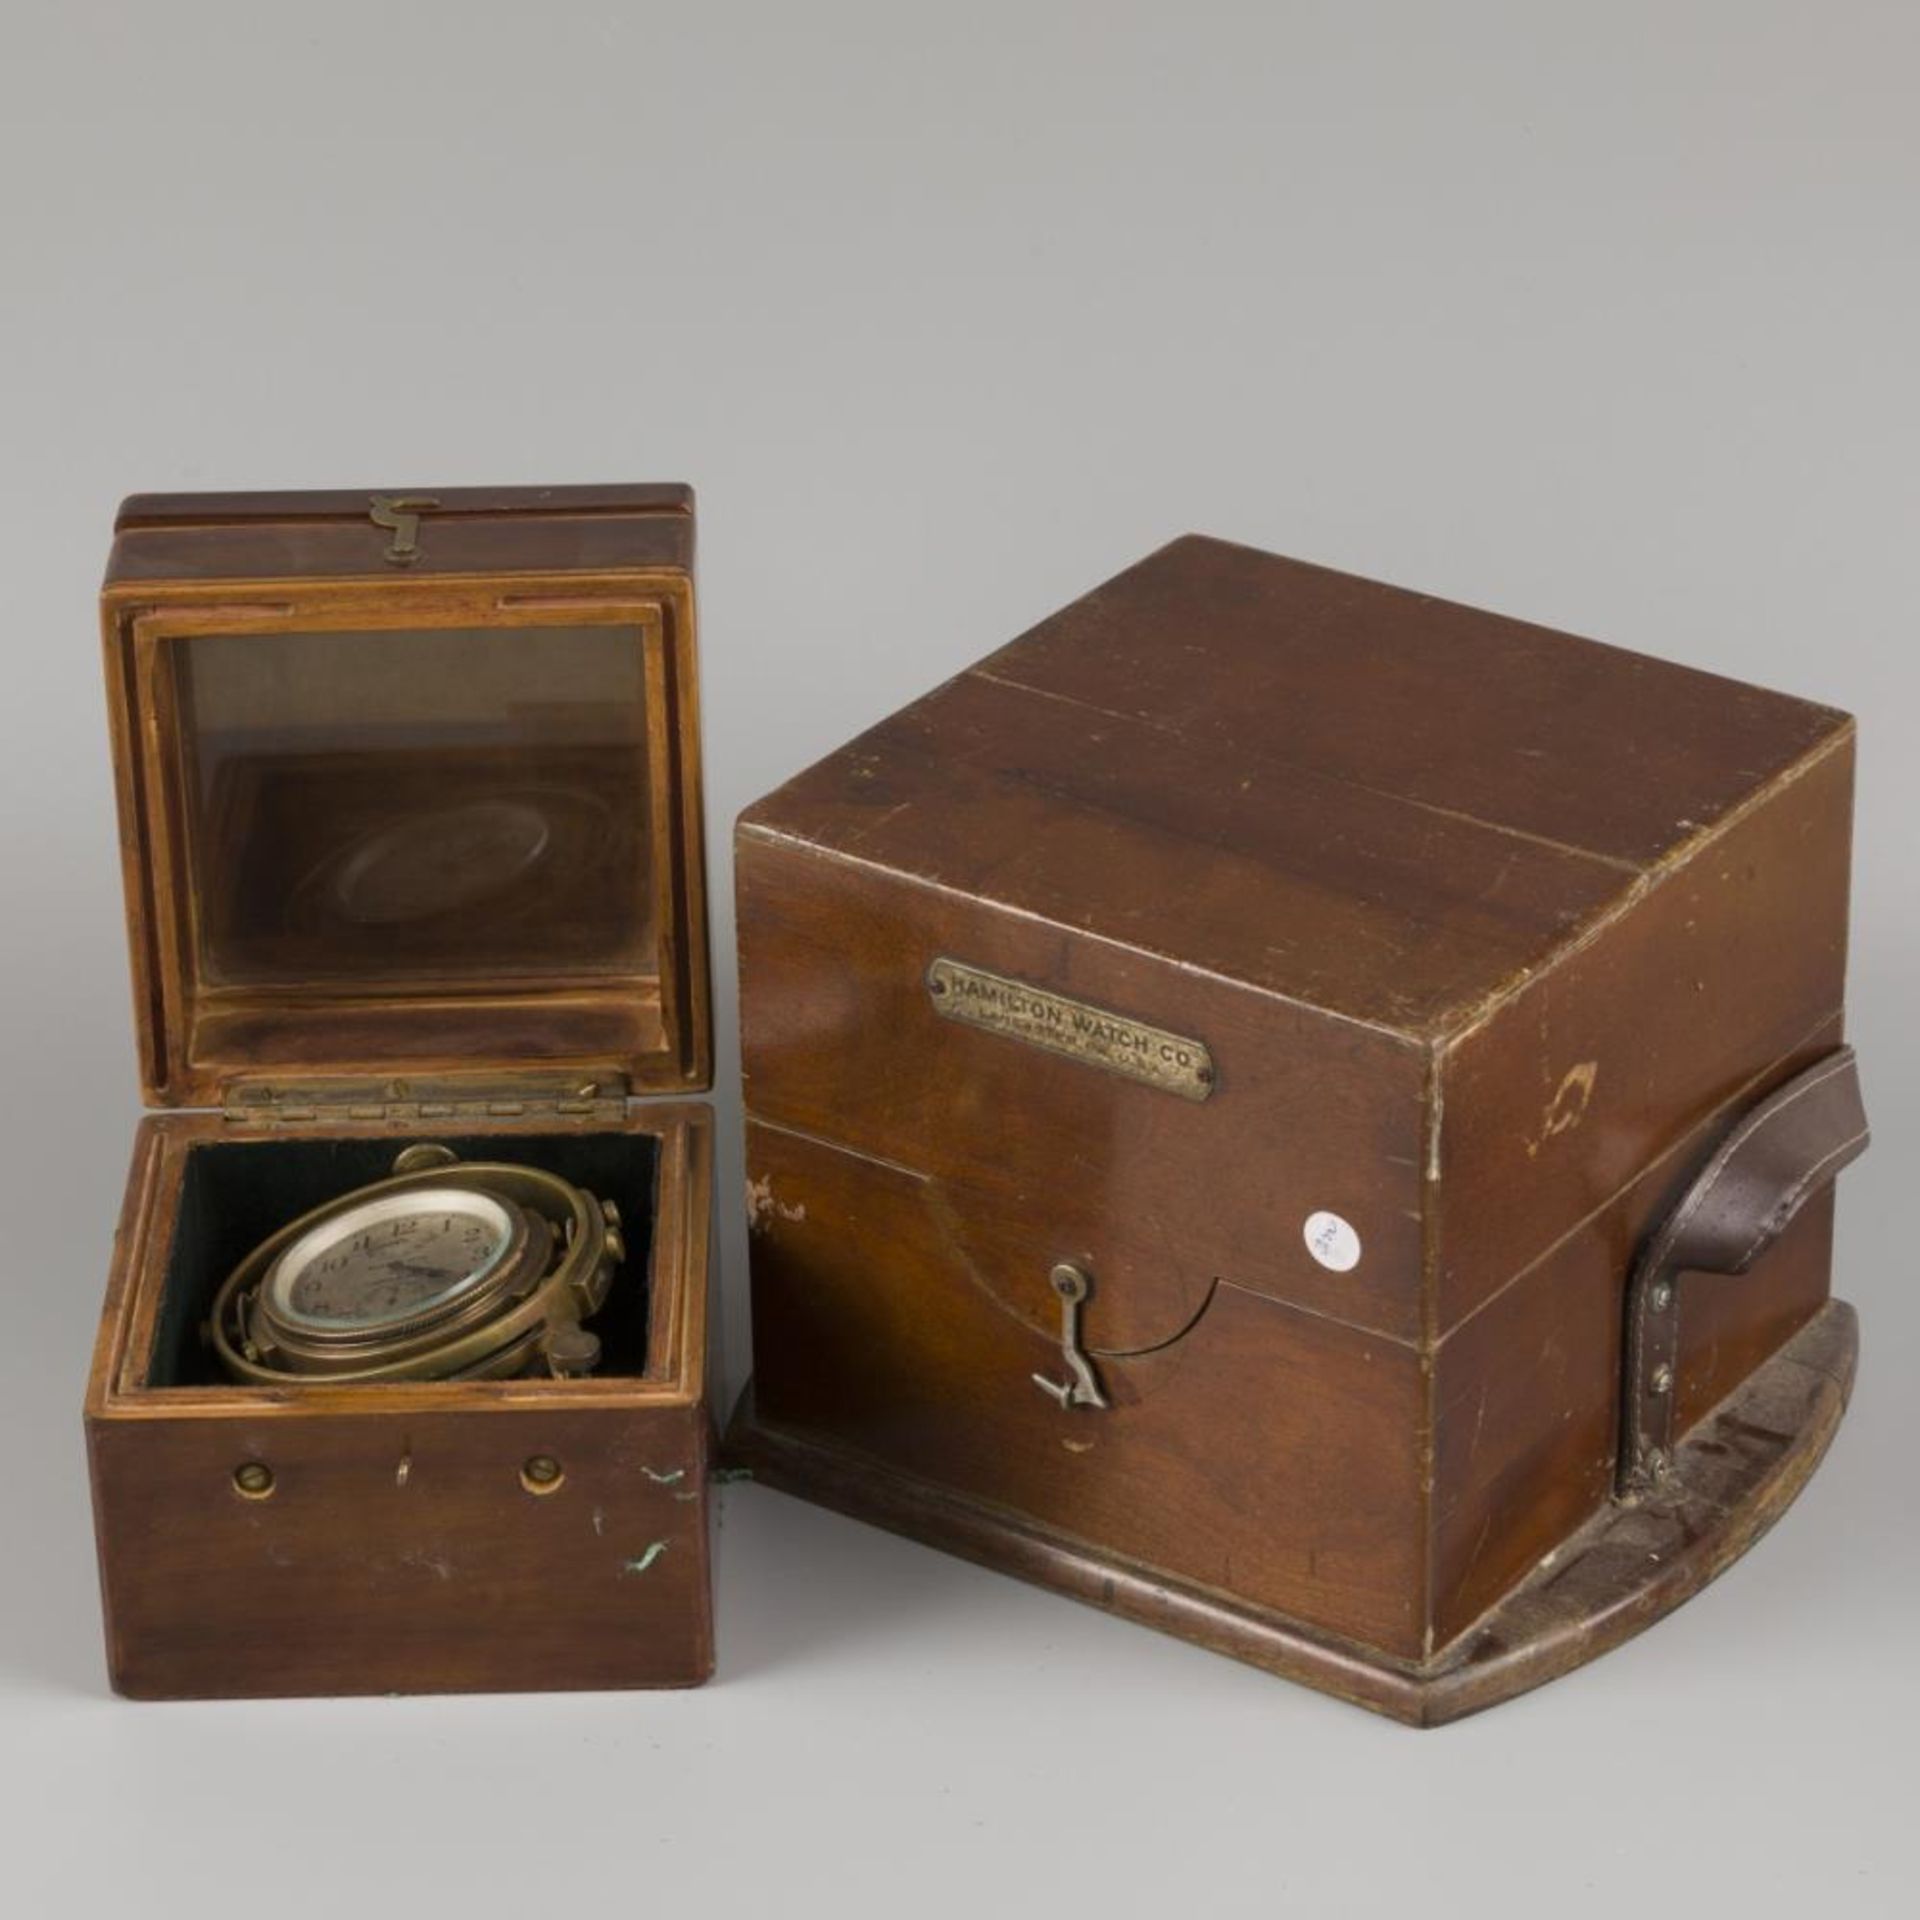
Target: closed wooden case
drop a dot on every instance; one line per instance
(409, 799)
(1210, 1071)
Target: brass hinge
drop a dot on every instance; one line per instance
(426, 1102)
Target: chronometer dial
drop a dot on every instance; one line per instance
(390, 1261)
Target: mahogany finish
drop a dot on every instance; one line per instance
(527, 568)
(1490, 933)
(293, 706)
(400, 1550)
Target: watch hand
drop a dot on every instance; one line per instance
(416, 1271)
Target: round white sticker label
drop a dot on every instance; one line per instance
(1332, 1242)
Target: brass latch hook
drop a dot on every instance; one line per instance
(1083, 1388)
(400, 515)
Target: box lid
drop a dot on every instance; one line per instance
(1374, 803)
(409, 789)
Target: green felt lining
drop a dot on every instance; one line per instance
(234, 1193)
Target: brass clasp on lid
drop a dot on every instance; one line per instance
(1082, 1387)
(400, 515)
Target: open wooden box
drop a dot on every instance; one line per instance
(409, 794)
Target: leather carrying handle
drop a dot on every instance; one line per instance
(1782, 1153)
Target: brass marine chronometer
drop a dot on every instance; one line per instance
(446, 1270)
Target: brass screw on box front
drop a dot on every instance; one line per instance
(541, 1474)
(253, 1479)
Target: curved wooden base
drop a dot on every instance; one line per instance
(1735, 1474)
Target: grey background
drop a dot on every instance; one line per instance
(1600, 315)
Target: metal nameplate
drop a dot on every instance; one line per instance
(1136, 1051)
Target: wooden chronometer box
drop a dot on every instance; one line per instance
(409, 803)
(1304, 1115)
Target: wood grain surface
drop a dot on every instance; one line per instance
(1490, 934)
(280, 695)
